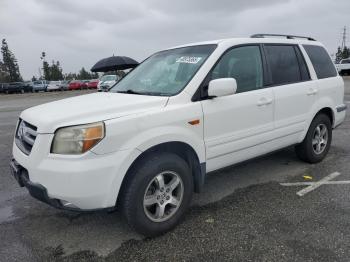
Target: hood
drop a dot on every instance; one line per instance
(88, 109)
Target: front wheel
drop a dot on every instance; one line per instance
(317, 142)
(157, 194)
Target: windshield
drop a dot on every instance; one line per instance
(108, 78)
(165, 73)
(54, 82)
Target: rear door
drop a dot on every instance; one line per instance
(293, 89)
(235, 126)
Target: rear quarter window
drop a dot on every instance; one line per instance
(321, 61)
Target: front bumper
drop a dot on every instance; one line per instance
(35, 190)
(104, 88)
(39, 192)
(86, 182)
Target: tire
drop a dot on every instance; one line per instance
(141, 216)
(312, 149)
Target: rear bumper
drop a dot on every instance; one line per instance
(341, 108)
(339, 114)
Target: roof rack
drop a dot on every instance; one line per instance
(286, 36)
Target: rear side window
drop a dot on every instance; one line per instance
(321, 61)
(283, 63)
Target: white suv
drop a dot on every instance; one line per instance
(148, 144)
(106, 82)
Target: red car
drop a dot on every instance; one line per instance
(75, 85)
(93, 83)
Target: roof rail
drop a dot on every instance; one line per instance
(286, 36)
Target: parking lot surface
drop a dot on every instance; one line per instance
(244, 213)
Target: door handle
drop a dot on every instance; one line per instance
(312, 91)
(264, 101)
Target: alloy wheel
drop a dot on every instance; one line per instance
(163, 196)
(320, 139)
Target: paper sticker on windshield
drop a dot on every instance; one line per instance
(188, 59)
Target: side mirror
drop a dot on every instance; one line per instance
(222, 87)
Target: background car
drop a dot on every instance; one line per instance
(93, 83)
(343, 66)
(2, 87)
(106, 82)
(85, 84)
(64, 85)
(28, 86)
(16, 87)
(75, 85)
(40, 85)
(54, 86)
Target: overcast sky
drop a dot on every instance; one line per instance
(80, 32)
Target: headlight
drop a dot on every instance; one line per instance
(75, 140)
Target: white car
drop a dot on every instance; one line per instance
(343, 67)
(54, 86)
(148, 144)
(106, 82)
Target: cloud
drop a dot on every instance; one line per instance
(78, 33)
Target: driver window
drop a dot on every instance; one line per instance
(244, 64)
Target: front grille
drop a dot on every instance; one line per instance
(25, 136)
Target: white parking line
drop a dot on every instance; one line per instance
(313, 185)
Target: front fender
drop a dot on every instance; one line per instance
(143, 131)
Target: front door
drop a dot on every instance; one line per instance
(237, 126)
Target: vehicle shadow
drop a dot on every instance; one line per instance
(101, 232)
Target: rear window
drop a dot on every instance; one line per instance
(321, 61)
(283, 63)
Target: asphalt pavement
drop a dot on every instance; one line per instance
(244, 213)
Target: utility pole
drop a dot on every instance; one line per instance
(343, 44)
(40, 76)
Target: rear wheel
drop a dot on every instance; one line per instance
(157, 194)
(316, 144)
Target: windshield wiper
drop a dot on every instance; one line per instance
(130, 91)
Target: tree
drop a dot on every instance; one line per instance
(342, 54)
(4, 76)
(70, 76)
(83, 74)
(9, 69)
(52, 72)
